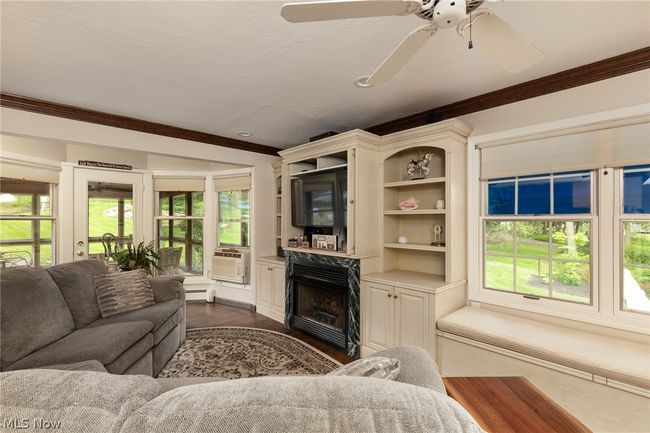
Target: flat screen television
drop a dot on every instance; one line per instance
(320, 200)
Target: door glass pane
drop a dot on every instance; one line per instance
(110, 216)
(636, 269)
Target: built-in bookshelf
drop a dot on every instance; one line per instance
(418, 254)
(277, 178)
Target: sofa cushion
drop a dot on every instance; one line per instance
(302, 405)
(121, 292)
(81, 401)
(33, 313)
(163, 316)
(103, 343)
(417, 367)
(76, 281)
(609, 357)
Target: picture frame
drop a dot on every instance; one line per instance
(325, 242)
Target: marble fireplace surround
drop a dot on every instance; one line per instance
(353, 294)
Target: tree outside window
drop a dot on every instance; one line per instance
(234, 218)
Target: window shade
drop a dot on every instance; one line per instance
(627, 144)
(232, 183)
(27, 171)
(179, 184)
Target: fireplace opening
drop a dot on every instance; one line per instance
(320, 302)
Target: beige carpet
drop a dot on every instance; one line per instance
(234, 353)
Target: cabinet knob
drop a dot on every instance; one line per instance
(395, 296)
(390, 296)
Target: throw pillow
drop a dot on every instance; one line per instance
(376, 366)
(120, 292)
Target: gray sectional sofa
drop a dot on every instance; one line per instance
(51, 317)
(415, 402)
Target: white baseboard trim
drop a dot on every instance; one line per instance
(271, 314)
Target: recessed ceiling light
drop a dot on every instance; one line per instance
(362, 82)
(245, 134)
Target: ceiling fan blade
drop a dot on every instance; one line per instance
(501, 43)
(401, 55)
(337, 10)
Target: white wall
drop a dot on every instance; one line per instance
(90, 141)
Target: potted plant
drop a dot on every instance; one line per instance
(140, 257)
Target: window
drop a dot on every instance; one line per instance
(234, 218)
(180, 232)
(537, 236)
(27, 223)
(635, 240)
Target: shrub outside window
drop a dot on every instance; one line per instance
(27, 224)
(537, 236)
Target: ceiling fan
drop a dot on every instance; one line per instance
(481, 27)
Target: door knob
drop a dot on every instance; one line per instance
(80, 253)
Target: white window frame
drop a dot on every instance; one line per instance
(520, 300)
(605, 311)
(53, 217)
(619, 219)
(207, 216)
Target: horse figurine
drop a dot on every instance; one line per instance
(419, 166)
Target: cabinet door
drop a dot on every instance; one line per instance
(412, 318)
(378, 316)
(278, 289)
(264, 285)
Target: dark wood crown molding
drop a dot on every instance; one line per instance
(82, 114)
(601, 70)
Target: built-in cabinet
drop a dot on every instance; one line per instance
(271, 287)
(410, 278)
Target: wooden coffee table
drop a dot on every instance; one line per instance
(511, 404)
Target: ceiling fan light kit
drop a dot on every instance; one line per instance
(481, 27)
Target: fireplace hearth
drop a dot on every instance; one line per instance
(323, 298)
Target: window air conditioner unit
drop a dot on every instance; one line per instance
(231, 265)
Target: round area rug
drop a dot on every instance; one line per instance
(233, 353)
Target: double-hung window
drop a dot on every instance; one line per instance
(634, 261)
(537, 236)
(27, 223)
(179, 224)
(234, 207)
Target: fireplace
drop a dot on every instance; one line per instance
(319, 306)
(323, 298)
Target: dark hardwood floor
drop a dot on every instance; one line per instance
(204, 315)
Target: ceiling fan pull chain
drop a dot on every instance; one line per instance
(470, 45)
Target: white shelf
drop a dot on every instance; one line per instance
(415, 212)
(415, 246)
(407, 183)
(409, 279)
(318, 170)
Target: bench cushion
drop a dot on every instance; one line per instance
(103, 343)
(615, 359)
(33, 313)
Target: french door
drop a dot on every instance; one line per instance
(107, 211)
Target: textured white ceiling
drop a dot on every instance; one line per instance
(224, 67)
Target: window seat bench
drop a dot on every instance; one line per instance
(603, 357)
(601, 380)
